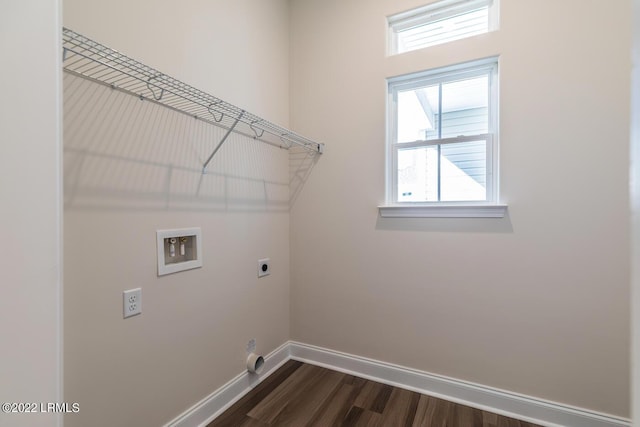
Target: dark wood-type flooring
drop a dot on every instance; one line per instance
(299, 394)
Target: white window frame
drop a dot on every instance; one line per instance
(434, 12)
(486, 208)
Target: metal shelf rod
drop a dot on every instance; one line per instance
(91, 60)
(224, 138)
(177, 110)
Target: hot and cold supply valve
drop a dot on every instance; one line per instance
(178, 250)
(184, 240)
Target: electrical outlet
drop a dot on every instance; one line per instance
(132, 302)
(264, 268)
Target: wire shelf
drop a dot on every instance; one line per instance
(93, 61)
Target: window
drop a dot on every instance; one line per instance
(442, 143)
(441, 22)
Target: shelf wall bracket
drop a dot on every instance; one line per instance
(258, 134)
(153, 92)
(224, 138)
(212, 112)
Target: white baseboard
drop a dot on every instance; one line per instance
(205, 411)
(513, 405)
(502, 402)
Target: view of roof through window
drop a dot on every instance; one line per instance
(419, 110)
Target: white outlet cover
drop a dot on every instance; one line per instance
(168, 268)
(132, 302)
(264, 267)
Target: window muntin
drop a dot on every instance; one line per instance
(440, 22)
(442, 135)
(451, 172)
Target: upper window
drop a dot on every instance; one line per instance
(442, 135)
(440, 22)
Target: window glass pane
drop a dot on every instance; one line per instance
(432, 94)
(463, 171)
(418, 174)
(465, 107)
(465, 110)
(430, 32)
(417, 112)
(443, 131)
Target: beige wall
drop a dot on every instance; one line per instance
(132, 168)
(30, 191)
(238, 50)
(535, 303)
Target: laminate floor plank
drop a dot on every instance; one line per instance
(400, 408)
(434, 412)
(368, 393)
(250, 422)
(353, 380)
(373, 396)
(426, 412)
(443, 413)
(302, 395)
(489, 419)
(295, 385)
(369, 419)
(335, 409)
(467, 416)
(380, 402)
(234, 415)
(353, 416)
(358, 417)
(300, 410)
(512, 422)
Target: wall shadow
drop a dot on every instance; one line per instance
(448, 225)
(301, 163)
(125, 154)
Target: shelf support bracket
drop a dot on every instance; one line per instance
(157, 97)
(255, 131)
(213, 113)
(224, 138)
(95, 62)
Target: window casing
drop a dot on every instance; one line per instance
(441, 22)
(442, 136)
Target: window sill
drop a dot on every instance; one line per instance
(443, 211)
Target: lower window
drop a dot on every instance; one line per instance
(442, 135)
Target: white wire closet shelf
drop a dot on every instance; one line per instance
(93, 61)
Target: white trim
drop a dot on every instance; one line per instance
(59, 210)
(167, 268)
(502, 402)
(443, 211)
(635, 214)
(433, 12)
(425, 15)
(485, 66)
(515, 405)
(443, 141)
(447, 73)
(205, 411)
